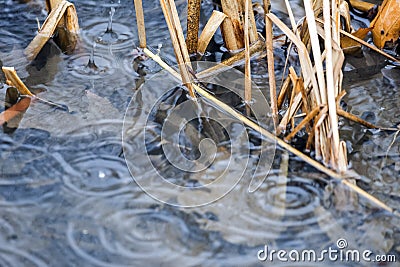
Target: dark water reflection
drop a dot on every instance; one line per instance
(67, 197)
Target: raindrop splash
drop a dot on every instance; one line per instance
(109, 36)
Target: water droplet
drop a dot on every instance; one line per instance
(109, 36)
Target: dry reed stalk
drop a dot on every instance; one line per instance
(13, 80)
(291, 16)
(67, 28)
(316, 51)
(235, 60)
(330, 81)
(253, 34)
(356, 119)
(282, 93)
(306, 106)
(178, 41)
(247, 66)
(293, 108)
(342, 160)
(140, 23)
(193, 23)
(64, 12)
(209, 30)
(271, 66)
(304, 58)
(233, 26)
(270, 136)
(303, 123)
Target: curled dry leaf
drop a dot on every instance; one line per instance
(386, 25)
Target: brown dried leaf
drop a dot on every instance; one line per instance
(15, 111)
(386, 25)
(361, 5)
(349, 45)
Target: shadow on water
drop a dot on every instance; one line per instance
(67, 195)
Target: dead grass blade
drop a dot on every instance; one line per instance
(361, 5)
(330, 81)
(209, 30)
(247, 67)
(271, 66)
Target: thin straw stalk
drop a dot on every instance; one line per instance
(271, 66)
(330, 82)
(176, 33)
(247, 82)
(140, 23)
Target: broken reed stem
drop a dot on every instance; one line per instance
(233, 26)
(267, 134)
(13, 80)
(303, 123)
(247, 71)
(193, 23)
(233, 61)
(271, 66)
(178, 41)
(64, 10)
(282, 93)
(140, 23)
(231, 30)
(365, 123)
(209, 30)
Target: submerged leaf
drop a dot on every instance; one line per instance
(349, 45)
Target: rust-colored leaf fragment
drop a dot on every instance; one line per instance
(349, 45)
(386, 25)
(18, 109)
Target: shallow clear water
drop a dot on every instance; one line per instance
(67, 196)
